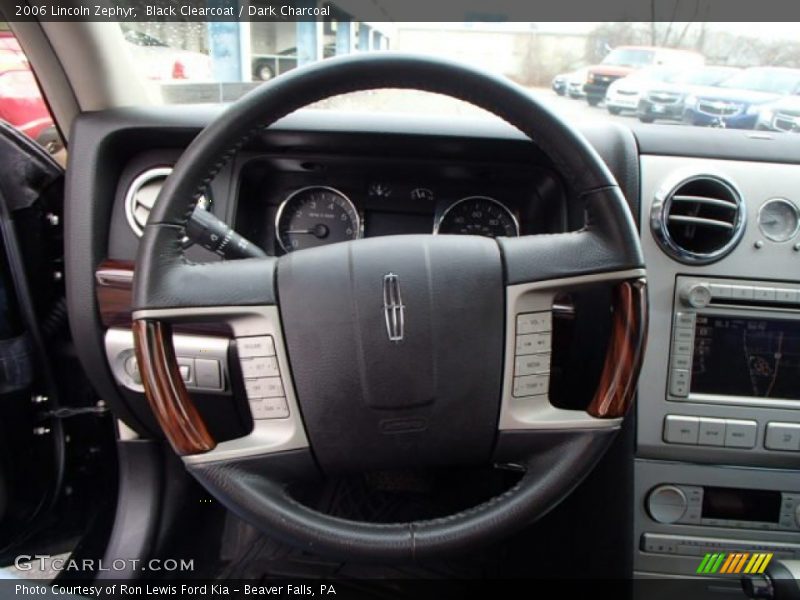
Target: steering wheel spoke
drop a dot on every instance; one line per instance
(529, 340)
(263, 362)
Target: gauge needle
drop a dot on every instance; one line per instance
(320, 231)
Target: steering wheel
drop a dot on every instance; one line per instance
(392, 352)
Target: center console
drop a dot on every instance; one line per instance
(718, 424)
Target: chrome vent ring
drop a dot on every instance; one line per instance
(698, 219)
(141, 197)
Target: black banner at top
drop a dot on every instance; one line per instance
(401, 10)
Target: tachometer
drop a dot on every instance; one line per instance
(478, 215)
(316, 216)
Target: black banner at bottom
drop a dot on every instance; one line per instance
(382, 589)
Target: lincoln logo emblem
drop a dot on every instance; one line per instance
(393, 308)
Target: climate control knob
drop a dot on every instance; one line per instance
(667, 504)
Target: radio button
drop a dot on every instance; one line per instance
(712, 432)
(679, 382)
(681, 430)
(764, 294)
(787, 296)
(684, 319)
(683, 334)
(721, 291)
(681, 361)
(681, 348)
(740, 434)
(782, 436)
(741, 292)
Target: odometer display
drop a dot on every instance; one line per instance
(316, 216)
(478, 215)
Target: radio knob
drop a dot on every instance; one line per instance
(697, 295)
(667, 504)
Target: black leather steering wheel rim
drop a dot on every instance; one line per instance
(554, 464)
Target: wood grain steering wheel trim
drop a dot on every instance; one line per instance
(623, 362)
(165, 391)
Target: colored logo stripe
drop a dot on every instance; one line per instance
(734, 563)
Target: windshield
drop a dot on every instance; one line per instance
(629, 58)
(773, 81)
(568, 66)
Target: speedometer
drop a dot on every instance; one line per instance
(316, 216)
(478, 215)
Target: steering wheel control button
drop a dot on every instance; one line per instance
(782, 436)
(269, 408)
(538, 322)
(266, 366)
(740, 434)
(207, 373)
(249, 347)
(532, 364)
(681, 430)
(712, 432)
(186, 368)
(531, 385)
(667, 504)
(263, 387)
(534, 343)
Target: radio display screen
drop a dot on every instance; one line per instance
(758, 358)
(741, 505)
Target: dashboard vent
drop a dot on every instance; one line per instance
(699, 220)
(141, 197)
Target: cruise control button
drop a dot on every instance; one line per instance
(260, 367)
(681, 430)
(532, 364)
(261, 345)
(534, 322)
(533, 343)
(207, 373)
(740, 434)
(530, 385)
(263, 387)
(269, 408)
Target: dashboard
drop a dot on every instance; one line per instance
(718, 216)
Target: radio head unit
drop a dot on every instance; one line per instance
(735, 342)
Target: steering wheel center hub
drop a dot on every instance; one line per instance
(396, 346)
